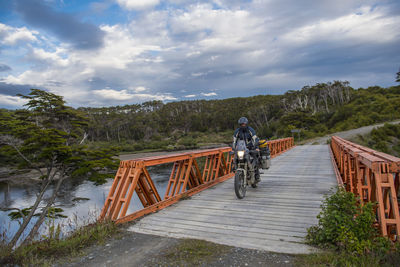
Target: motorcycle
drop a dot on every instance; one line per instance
(246, 164)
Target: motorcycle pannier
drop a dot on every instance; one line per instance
(265, 162)
(263, 143)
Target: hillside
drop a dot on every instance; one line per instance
(316, 110)
(358, 135)
(385, 138)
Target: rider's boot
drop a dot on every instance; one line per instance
(257, 176)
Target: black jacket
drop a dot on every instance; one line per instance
(247, 134)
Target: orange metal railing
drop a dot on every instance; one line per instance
(373, 176)
(186, 179)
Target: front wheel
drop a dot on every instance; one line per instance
(240, 187)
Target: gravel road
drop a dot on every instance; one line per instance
(347, 134)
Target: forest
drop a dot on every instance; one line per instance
(316, 110)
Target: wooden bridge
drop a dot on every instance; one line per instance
(273, 217)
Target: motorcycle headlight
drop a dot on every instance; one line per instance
(240, 154)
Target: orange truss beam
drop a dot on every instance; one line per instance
(191, 173)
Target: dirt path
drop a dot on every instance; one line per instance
(133, 249)
(347, 134)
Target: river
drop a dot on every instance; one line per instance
(81, 200)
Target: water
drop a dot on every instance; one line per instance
(81, 200)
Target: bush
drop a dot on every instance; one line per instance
(346, 226)
(188, 142)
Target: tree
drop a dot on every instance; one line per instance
(398, 76)
(47, 136)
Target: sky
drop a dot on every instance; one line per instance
(117, 52)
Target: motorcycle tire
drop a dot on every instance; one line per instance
(240, 187)
(254, 185)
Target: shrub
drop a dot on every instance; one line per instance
(346, 226)
(188, 142)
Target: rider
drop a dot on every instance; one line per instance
(248, 134)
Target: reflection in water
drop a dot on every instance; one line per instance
(81, 200)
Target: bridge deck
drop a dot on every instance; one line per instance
(273, 217)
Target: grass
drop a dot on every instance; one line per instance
(190, 252)
(50, 249)
(141, 151)
(177, 141)
(335, 258)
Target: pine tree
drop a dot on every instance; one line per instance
(47, 135)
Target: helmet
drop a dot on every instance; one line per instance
(243, 120)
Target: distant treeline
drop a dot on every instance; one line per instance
(317, 110)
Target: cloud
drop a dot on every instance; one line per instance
(137, 4)
(198, 74)
(125, 95)
(217, 29)
(4, 67)
(140, 89)
(82, 35)
(11, 35)
(13, 89)
(180, 49)
(364, 26)
(209, 94)
(49, 58)
(11, 101)
(100, 7)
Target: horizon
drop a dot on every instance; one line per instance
(124, 52)
(200, 99)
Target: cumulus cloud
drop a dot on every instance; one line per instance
(137, 4)
(12, 35)
(50, 58)
(11, 101)
(217, 29)
(82, 35)
(366, 25)
(209, 94)
(190, 96)
(125, 95)
(140, 89)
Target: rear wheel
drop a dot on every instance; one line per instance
(240, 187)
